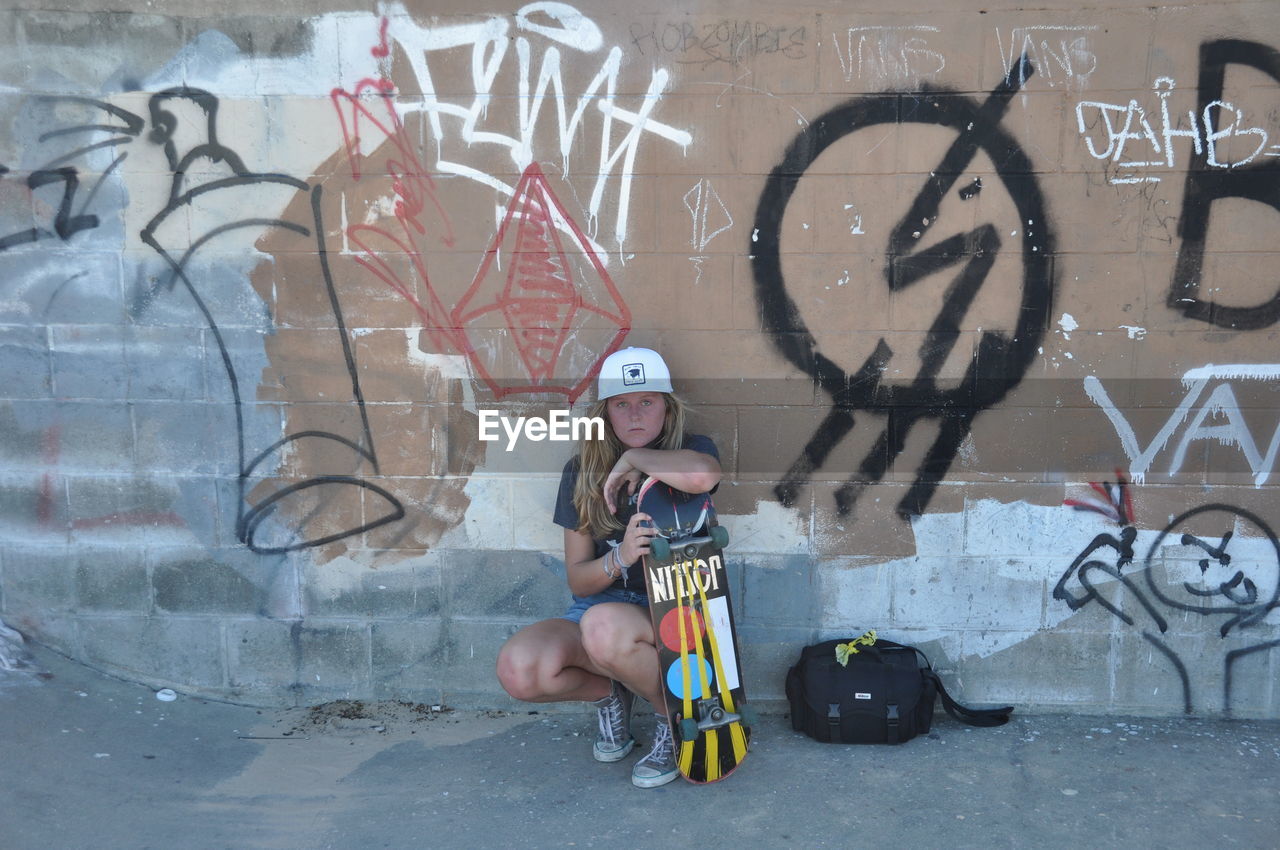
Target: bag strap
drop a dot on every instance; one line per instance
(972, 716)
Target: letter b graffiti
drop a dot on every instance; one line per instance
(1208, 181)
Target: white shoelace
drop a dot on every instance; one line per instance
(663, 744)
(611, 717)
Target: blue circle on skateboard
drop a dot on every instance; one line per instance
(675, 677)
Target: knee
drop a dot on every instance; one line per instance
(518, 672)
(602, 638)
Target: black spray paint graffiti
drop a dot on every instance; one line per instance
(1000, 360)
(1207, 183)
(1239, 590)
(68, 220)
(209, 176)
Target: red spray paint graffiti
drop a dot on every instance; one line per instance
(559, 307)
(415, 199)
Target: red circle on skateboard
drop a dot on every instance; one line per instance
(669, 629)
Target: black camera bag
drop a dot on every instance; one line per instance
(885, 695)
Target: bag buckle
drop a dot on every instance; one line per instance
(892, 717)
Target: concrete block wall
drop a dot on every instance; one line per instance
(978, 302)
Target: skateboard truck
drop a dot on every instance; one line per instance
(662, 547)
(712, 716)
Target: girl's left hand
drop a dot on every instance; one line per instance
(623, 473)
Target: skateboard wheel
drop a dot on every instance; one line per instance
(688, 729)
(720, 536)
(660, 548)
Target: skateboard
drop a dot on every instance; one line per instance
(693, 626)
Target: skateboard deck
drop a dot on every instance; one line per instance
(693, 626)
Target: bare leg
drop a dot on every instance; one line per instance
(546, 662)
(618, 639)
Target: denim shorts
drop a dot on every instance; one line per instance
(612, 594)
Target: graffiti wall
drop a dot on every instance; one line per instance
(978, 303)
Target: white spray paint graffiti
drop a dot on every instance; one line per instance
(710, 218)
(1018, 548)
(888, 54)
(701, 201)
(1221, 403)
(1025, 545)
(342, 41)
(1121, 124)
(1060, 54)
(488, 43)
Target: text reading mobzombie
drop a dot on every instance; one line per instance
(557, 426)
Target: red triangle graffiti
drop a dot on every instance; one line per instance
(550, 306)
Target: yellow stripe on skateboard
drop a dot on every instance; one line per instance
(686, 747)
(736, 734)
(711, 748)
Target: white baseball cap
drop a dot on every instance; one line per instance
(633, 370)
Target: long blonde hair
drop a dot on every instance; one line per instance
(597, 457)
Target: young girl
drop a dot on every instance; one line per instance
(602, 649)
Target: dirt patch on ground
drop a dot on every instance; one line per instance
(382, 717)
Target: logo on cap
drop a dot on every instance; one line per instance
(632, 374)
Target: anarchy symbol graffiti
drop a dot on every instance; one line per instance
(1001, 357)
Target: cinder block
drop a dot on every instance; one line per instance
(1048, 669)
(964, 593)
(408, 660)
(1034, 525)
(51, 437)
(432, 505)
(110, 579)
(1250, 689)
(262, 659)
(164, 363)
(852, 593)
(85, 436)
(60, 632)
(126, 510)
(767, 652)
(88, 362)
(33, 509)
(333, 661)
(25, 361)
(1091, 618)
(38, 580)
(488, 521)
(775, 590)
(66, 284)
(509, 585)
(471, 650)
(182, 651)
(222, 581)
(533, 501)
(185, 439)
(314, 662)
(409, 590)
(76, 33)
(246, 349)
(228, 504)
(1150, 667)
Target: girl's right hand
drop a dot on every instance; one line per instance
(635, 540)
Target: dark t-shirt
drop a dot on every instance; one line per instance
(566, 515)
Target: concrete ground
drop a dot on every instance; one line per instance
(88, 761)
